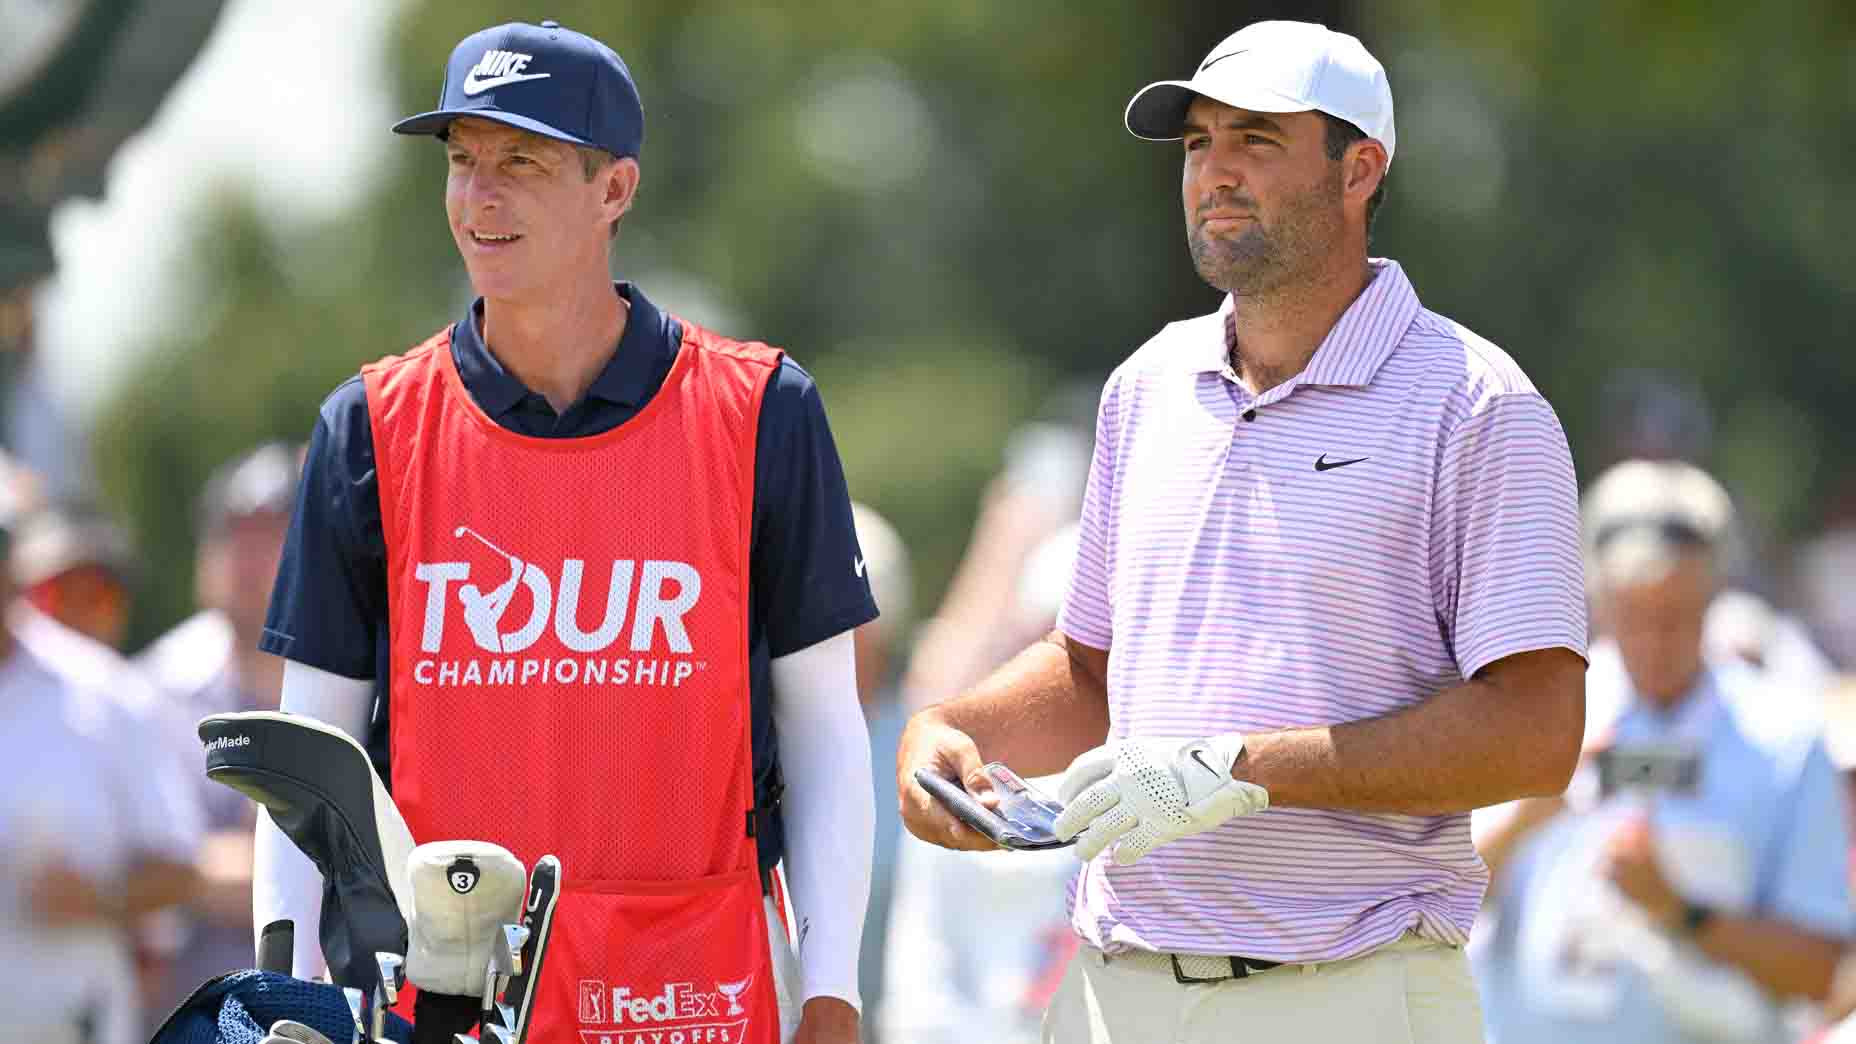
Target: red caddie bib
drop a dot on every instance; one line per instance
(568, 635)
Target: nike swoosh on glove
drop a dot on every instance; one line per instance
(1145, 793)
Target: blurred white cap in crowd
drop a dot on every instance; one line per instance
(58, 538)
(1642, 516)
(886, 560)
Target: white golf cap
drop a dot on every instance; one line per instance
(1641, 515)
(1276, 67)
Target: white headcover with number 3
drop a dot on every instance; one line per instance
(463, 892)
(1144, 793)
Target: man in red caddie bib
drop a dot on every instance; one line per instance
(582, 576)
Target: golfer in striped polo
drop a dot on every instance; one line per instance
(1327, 600)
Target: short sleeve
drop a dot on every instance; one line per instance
(1506, 570)
(1805, 879)
(330, 599)
(808, 577)
(1087, 615)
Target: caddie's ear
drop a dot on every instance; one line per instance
(621, 186)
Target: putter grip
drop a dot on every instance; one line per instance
(277, 946)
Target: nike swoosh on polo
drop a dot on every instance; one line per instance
(857, 566)
(1214, 61)
(1322, 463)
(473, 86)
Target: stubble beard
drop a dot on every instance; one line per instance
(1265, 260)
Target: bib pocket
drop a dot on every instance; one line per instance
(675, 962)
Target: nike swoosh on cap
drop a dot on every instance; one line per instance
(473, 86)
(1214, 61)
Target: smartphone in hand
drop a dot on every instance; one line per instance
(1023, 820)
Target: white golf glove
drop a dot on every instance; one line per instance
(1148, 792)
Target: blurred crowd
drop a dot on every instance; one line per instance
(1692, 884)
(125, 877)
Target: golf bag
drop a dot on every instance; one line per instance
(238, 1008)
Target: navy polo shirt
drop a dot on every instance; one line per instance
(329, 608)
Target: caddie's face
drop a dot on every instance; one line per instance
(1263, 201)
(522, 211)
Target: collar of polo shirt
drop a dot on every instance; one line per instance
(1359, 342)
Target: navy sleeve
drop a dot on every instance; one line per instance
(808, 581)
(329, 608)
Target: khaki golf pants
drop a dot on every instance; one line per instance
(1412, 991)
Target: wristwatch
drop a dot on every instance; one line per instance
(1695, 917)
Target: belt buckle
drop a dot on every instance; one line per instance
(1239, 970)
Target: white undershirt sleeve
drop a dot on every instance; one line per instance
(284, 883)
(830, 810)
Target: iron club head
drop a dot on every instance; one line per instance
(288, 1029)
(490, 989)
(515, 937)
(357, 1006)
(392, 969)
(378, 1017)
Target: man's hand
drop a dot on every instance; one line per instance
(1630, 863)
(1152, 791)
(827, 1020)
(948, 752)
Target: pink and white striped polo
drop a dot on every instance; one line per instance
(1346, 544)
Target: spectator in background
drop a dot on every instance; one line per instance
(1690, 912)
(211, 663)
(1653, 415)
(33, 426)
(1039, 491)
(1742, 627)
(881, 646)
(72, 567)
(983, 938)
(75, 565)
(1840, 744)
(1840, 741)
(95, 835)
(1825, 571)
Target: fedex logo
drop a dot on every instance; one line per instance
(663, 592)
(678, 1013)
(677, 1001)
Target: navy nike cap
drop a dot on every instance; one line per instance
(542, 78)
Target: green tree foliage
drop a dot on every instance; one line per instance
(1597, 186)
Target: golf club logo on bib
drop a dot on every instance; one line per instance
(463, 875)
